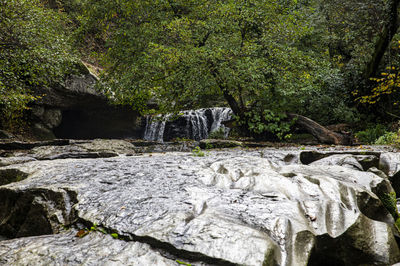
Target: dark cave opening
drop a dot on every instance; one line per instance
(99, 123)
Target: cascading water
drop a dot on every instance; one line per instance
(155, 127)
(192, 124)
(219, 115)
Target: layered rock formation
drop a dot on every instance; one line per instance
(230, 207)
(76, 110)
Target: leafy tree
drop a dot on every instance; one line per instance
(34, 52)
(360, 33)
(250, 53)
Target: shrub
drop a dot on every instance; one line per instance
(218, 134)
(371, 134)
(198, 152)
(34, 52)
(389, 138)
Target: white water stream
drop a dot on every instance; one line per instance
(198, 125)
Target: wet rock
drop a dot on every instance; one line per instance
(99, 148)
(368, 161)
(151, 146)
(278, 158)
(11, 175)
(225, 208)
(364, 249)
(5, 161)
(66, 249)
(20, 145)
(50, 118)
(357, 162)
(219, 143)
(389, 163)
(378, 172)
(365, 157)
(346, 160)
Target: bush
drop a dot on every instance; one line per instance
(34, 52)
(218, 134)
(389, 138)
(371, 134)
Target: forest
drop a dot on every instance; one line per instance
(200, 132)
(270, 61)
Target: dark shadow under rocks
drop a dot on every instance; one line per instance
(11, 175)
(35, 212)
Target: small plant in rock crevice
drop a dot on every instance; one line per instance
(198, 152)
(183, 263)
(95, 228)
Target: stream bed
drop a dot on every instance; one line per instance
(116, 202)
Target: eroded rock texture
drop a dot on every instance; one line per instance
(231, 207)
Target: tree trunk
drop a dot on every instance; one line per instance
(322, 134)
(384, 39)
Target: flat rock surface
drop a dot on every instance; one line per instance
(230, 207)
(93, 249)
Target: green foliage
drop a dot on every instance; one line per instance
(267, 121)
(183, 140)
(293, 56)
(389, 201)
(389, 138)
(217, 134)
(34, 52)
(183, 263)
(209, 146)
(115, 235)
(178, 53)
(198, 152)
(262, 57)
(371, 134)
(95, 228)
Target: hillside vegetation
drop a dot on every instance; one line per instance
(332, 61)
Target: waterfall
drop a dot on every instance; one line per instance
(192, 124)
(155, 127)
(219, 115)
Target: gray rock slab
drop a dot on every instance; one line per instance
(346, 160)
(90, 149)
(66, 249)
(226, 207)
(5, 161)
(389, 163)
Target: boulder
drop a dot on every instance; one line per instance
(227, 208)
(346, 160)
(367, 158)
(389, 163)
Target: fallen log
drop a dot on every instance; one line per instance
(321, 133)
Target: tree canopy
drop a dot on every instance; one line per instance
(34, 52)
(263, 58)
(253, 54)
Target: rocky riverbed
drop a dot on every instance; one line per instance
(115, 202)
